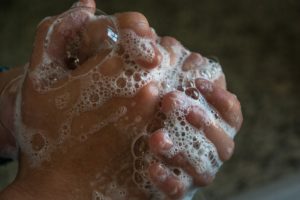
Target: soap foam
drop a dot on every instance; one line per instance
(96, 89)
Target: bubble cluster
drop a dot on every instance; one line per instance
(62, 101)
(97, 88)
(37, 145)
(142, 160)
(46, 75)
(139, 48)
(211, 71)
(98, 196)
(108, 187)
(112, 192)
(199, 151)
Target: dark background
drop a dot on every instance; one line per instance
(256, 41)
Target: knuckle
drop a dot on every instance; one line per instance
(45, 23)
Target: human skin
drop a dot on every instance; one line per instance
(103, 151)
(7, 142)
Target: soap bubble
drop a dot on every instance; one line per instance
(95, 34)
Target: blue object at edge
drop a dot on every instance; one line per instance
(3, 69)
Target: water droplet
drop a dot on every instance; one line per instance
(138, 178)
(196, 145)
(94, 97)
(176, 171)
(121, 82)
(140, 146)
(192, 92)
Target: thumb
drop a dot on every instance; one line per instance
(57, 39)
(86, 3)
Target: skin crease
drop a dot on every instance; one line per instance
(75, 164)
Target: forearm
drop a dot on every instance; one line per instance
(6, 77)
(7, 141)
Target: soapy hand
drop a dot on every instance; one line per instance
(93, 101)
(193, 133)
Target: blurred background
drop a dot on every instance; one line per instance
(258, 45)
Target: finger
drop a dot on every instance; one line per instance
(166, 182)
(225, 102)
(78, 41)
(86, 3)
(198, 118)
(197, 62)
(193, 61)
(200, 178)
(146, 100)
(223, 143)
(66, 36)
(135, 21)
(171, 45)
(92, 56)
(57, 35)
(160, 143)
(96, 49)
(57, 48)
(174, 100)
(146, 54)
(39, 43)
(141, 108)
(220, 82)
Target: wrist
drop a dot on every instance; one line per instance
(35, 183)
(36, 186)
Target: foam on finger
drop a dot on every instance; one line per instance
(97, 86)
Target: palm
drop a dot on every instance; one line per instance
(81, 109)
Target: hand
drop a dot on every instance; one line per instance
(81, 106)
(193, 133)
(197, 144)
(66, 117)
